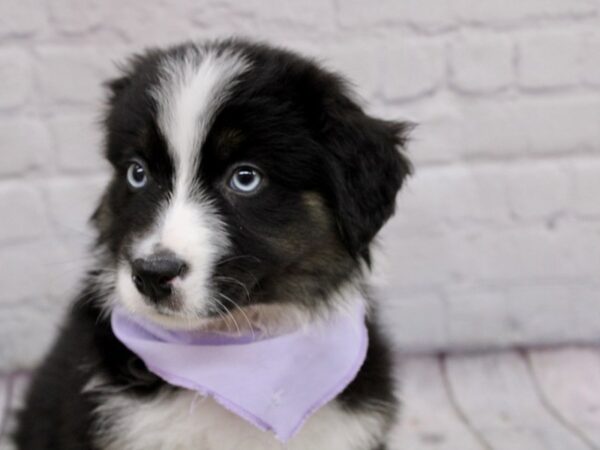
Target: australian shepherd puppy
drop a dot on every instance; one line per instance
(247, 187)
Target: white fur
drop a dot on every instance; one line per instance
(190, 94)
(191, 91)
(195, 234)
(185, 421)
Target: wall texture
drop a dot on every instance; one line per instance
(497, 236)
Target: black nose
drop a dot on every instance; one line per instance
(153, 276)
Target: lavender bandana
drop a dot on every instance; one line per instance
(273, 382)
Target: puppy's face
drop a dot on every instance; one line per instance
(245, 178)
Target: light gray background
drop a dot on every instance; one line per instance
(497, 237)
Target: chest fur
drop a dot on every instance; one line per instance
(182, 421)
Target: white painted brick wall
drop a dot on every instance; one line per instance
(497, 237)
(584, 174)
(481, 65)
(560, 54)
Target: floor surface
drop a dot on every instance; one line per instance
(527, 400)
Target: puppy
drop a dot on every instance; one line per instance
(247, 187)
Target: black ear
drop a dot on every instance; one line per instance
(367, 170)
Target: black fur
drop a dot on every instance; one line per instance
(301, 126)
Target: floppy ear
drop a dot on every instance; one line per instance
(366, 171)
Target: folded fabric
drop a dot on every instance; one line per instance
(273, 382)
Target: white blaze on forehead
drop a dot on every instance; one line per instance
(192, 90)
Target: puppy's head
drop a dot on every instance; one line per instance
(245, 179)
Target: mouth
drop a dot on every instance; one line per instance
(169, 295)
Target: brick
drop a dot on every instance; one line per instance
(69, 263)
(437, 136)
(419, 261)
(16, 76)
(358, 63)
(410, 70)
(481, 65)
(25, 145)
(502, 13)
(43, 270)
(417, 319)
(535, 127)
(68, 75)
(538, 191)
(320, 15)
(478, 318)
(20, 17)
(207, 20)
(584, 237)
(156, 23)
(527, 254)
(559, 126)
(71, 203)
(591, 59)
(584, 304)
(26, 217)
(539, 313)
(550, 60)
(586, 178)
(450, 196)
(77, 17)
(78, 141)
(414, 216)
(26, 331)
(427, 15)
(492, 129)
(25, 271)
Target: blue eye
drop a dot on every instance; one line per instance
(136, 175)
(245, 179)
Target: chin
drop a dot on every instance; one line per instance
(247, 188)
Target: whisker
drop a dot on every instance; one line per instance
(241, 311)
(248, 272)
(236, 281)
(229, 315)
(223, 314)
(233, 258)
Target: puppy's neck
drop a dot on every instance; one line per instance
(280, 318)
